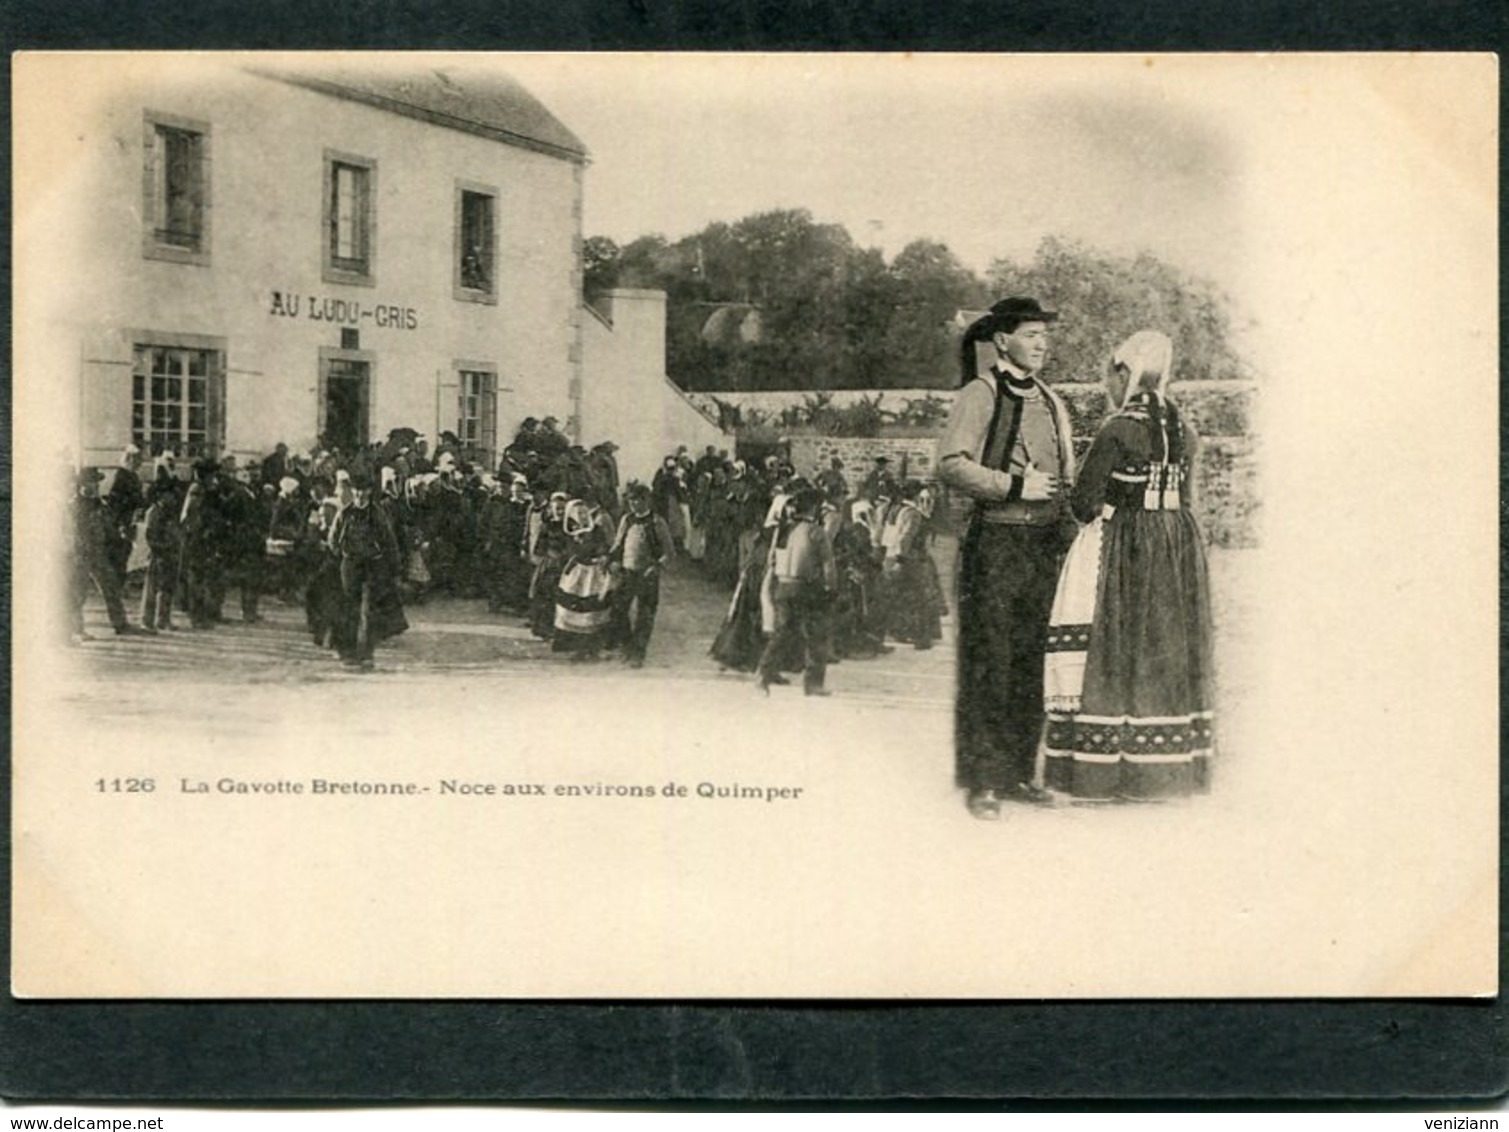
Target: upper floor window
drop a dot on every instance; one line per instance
(476, 243)
(177, 189)
(350, 219)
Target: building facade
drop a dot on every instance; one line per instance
(626, 394)
(314, 258)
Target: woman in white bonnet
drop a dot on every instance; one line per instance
(1128, 669)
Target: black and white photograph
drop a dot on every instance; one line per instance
(774, 526)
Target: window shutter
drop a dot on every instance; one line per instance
(152, 192)
(225, 390)
(447, 404)
(490, 419)
(104, 403)
(216, 396)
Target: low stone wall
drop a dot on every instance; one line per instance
(1213, 408)
(911, 456)
(1228, 491)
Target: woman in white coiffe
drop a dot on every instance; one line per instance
(1127, 677)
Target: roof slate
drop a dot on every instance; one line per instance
(487, 103)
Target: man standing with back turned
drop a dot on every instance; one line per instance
(1009, 447)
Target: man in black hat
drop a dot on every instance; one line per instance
(125, 501)
(94, 541)
(201, 561)
(834, 486)
(804, 578)
(640, 551)
(161, 529)
(602, 467)
(367, 549)
(1009, 447)
(549, 441)
(879, 482)
(706, 462)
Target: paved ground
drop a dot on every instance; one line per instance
(183, 675)
(450, 635)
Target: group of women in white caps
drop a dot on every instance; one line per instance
(1085, 660)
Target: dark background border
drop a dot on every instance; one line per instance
(719, 1054)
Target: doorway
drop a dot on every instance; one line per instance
(345, 401)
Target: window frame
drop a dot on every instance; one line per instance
(463, 293)
(485, 451)
(332, 268)
(143, 343)
(155, 124)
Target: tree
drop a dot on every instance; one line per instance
(1103, 298)
(646, 262)
(833, 315)
(932, 286)
(600, 265)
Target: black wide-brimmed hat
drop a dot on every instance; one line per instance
(1022, 310)
(805, 499)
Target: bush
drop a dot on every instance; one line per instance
(923, 411)
(863, 418)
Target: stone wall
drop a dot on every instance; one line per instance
(912, 456)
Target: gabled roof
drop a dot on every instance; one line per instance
(484, 102)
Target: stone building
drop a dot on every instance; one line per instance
(312, 254)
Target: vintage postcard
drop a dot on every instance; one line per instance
(760, 526)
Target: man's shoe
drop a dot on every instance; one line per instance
(817, 691)
(133, 631)
(984, 805)
(1034, 795)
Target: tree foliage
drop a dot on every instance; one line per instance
(600, 264)
(829, 314)
(1101, 299)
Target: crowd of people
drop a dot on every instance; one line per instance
(548, 535)
(1083, 606)
(354, 537)
(820, 575)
